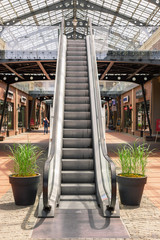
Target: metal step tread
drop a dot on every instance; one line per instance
(77, 84)
(77, 115)
(76, 68)
(77, 149)
(81, 107)
(77, 133)
(78, 139)
(77, 142)
(76, 58)
(78, 164)
(78, 198)
(76, 63)
(76, 93)
(77, 99)
(77, 171)
(78, 188)
(77, 124)
(77, 184)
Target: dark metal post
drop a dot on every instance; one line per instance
(146, 110)
(29, 122)
(4, 106)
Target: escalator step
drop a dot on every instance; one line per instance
(77, 164)
(77, 176)
(77, 115)
(77, 188)
(79, 124)
(77, 153)
(77, 142)
(77, 107)
(77, 133)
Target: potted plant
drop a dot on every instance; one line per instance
(24, 179)
(131, 181)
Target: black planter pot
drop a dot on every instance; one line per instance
(131, 189)
(24, 189)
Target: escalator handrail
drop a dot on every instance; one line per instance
(99, 119)
(47, 167)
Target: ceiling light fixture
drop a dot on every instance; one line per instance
(75, 21)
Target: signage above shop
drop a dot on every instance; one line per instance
(139, 94)
(23, 99)
(158, 125)
(10, 95)
(114, 108)
(126, 99)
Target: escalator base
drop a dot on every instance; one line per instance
(79, 223)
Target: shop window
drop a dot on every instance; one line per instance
(21, 116)
(127, 116)
(42, 117)
(141, 116)
(1, 107)
(10, 115)
(37, 116)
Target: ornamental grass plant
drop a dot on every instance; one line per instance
(134, 159)
(24, 158)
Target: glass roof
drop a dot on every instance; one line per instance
(118, 24)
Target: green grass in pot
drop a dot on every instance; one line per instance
(24, 158)
(133, 159)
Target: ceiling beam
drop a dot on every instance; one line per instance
(154, 2)
(79, 35)
(107, 70)
(137, 71)
(52, 7)
(10, 69)
(83, 4)
(87, 5)
(43, 70)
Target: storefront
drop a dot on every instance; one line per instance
(8, 119)
(133, 110)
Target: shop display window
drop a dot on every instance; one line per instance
(127, 116)
(42, 117)
(8, 115)
(141, 116)
(1, 107)
(37, 116)
(21, 116)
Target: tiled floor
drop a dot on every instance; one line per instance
(5, 162)
(113, 140)
(152, 188)
(142, 222)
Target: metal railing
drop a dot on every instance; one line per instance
(101, 135)
(52, 167)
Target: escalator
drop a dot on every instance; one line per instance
(78, 180)
(78, 170)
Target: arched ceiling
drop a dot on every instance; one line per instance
(118, 24)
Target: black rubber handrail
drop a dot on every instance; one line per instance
(99, 117)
